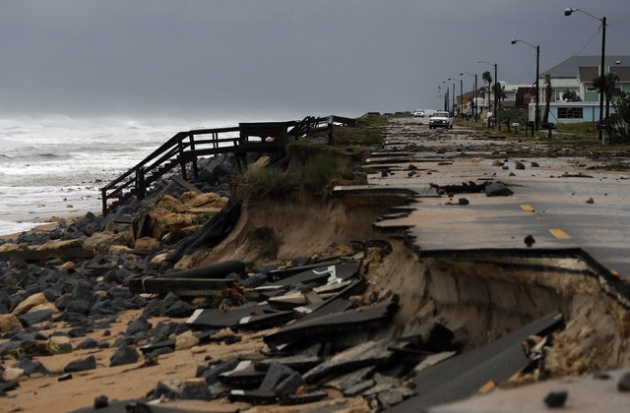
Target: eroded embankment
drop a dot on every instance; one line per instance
(479, 298)
(271, 230)
(482, 298)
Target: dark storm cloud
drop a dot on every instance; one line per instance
(277, 56)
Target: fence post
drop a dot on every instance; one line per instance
(140, 183)
(182, 159)
(193, 150)
(104, 201)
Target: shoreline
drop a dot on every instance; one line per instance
(35, 230)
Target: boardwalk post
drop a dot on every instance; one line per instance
(140, 184)
(195, 167)
(181, 157)
(104, 201)
(331, 130)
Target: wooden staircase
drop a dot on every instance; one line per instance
(185, 148)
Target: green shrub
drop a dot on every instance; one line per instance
(317, 172)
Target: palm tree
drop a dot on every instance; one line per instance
(487, 77)
(610, 81)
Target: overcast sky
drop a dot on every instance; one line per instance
(286, 58)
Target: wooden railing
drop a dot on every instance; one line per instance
(186, 148)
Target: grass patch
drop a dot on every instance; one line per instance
(316, 167)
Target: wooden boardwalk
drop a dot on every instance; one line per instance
(185, 148)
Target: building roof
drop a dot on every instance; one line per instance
(622, 71)
(587, 74)
(569, 68)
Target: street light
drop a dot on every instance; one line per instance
(496, 87)
(446, 96)
(474, 106)
(570, 11)
(537, 115)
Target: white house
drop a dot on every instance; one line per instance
(575, 75)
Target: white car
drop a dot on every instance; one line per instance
(441, 119)
(418, 113)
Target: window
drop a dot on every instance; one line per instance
(570, 113)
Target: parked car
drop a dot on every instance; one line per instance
(441, 119)
(418, 113)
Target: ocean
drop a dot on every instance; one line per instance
(54, 166)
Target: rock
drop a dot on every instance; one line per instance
(30, 302)
(519, 165)
(9, 322)
(8, 386)
(36, 317)
(529, 240)
(30, 367)
(623, 385)
(590, 201)
(179, 309)
(186, 340)
(164, 390)
(147, 244)
(65, 377)
(260, 163)
(101, 402)
(101, 242)
(88, 343)
(88, 363)
(140, 324)
(58, 245)
(534, 164)
(556, 399)
(124, 355)
(195, 392)
(498, 189)
(12, 374)
(117, 250)
(154, 308)
(170, 203)
(463, 201)
(45, 307)
(441, 150)
(159, 258)
(164, 222)
(207, 199)
(60, 344)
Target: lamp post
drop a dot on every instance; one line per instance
(453, 97)
(474, 106)
(447, 99)
(496, 87)
(570, 11)
(537, 114)
(461, 96)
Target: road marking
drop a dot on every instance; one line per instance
(560, 234)
(527, 208)
(487, 387)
